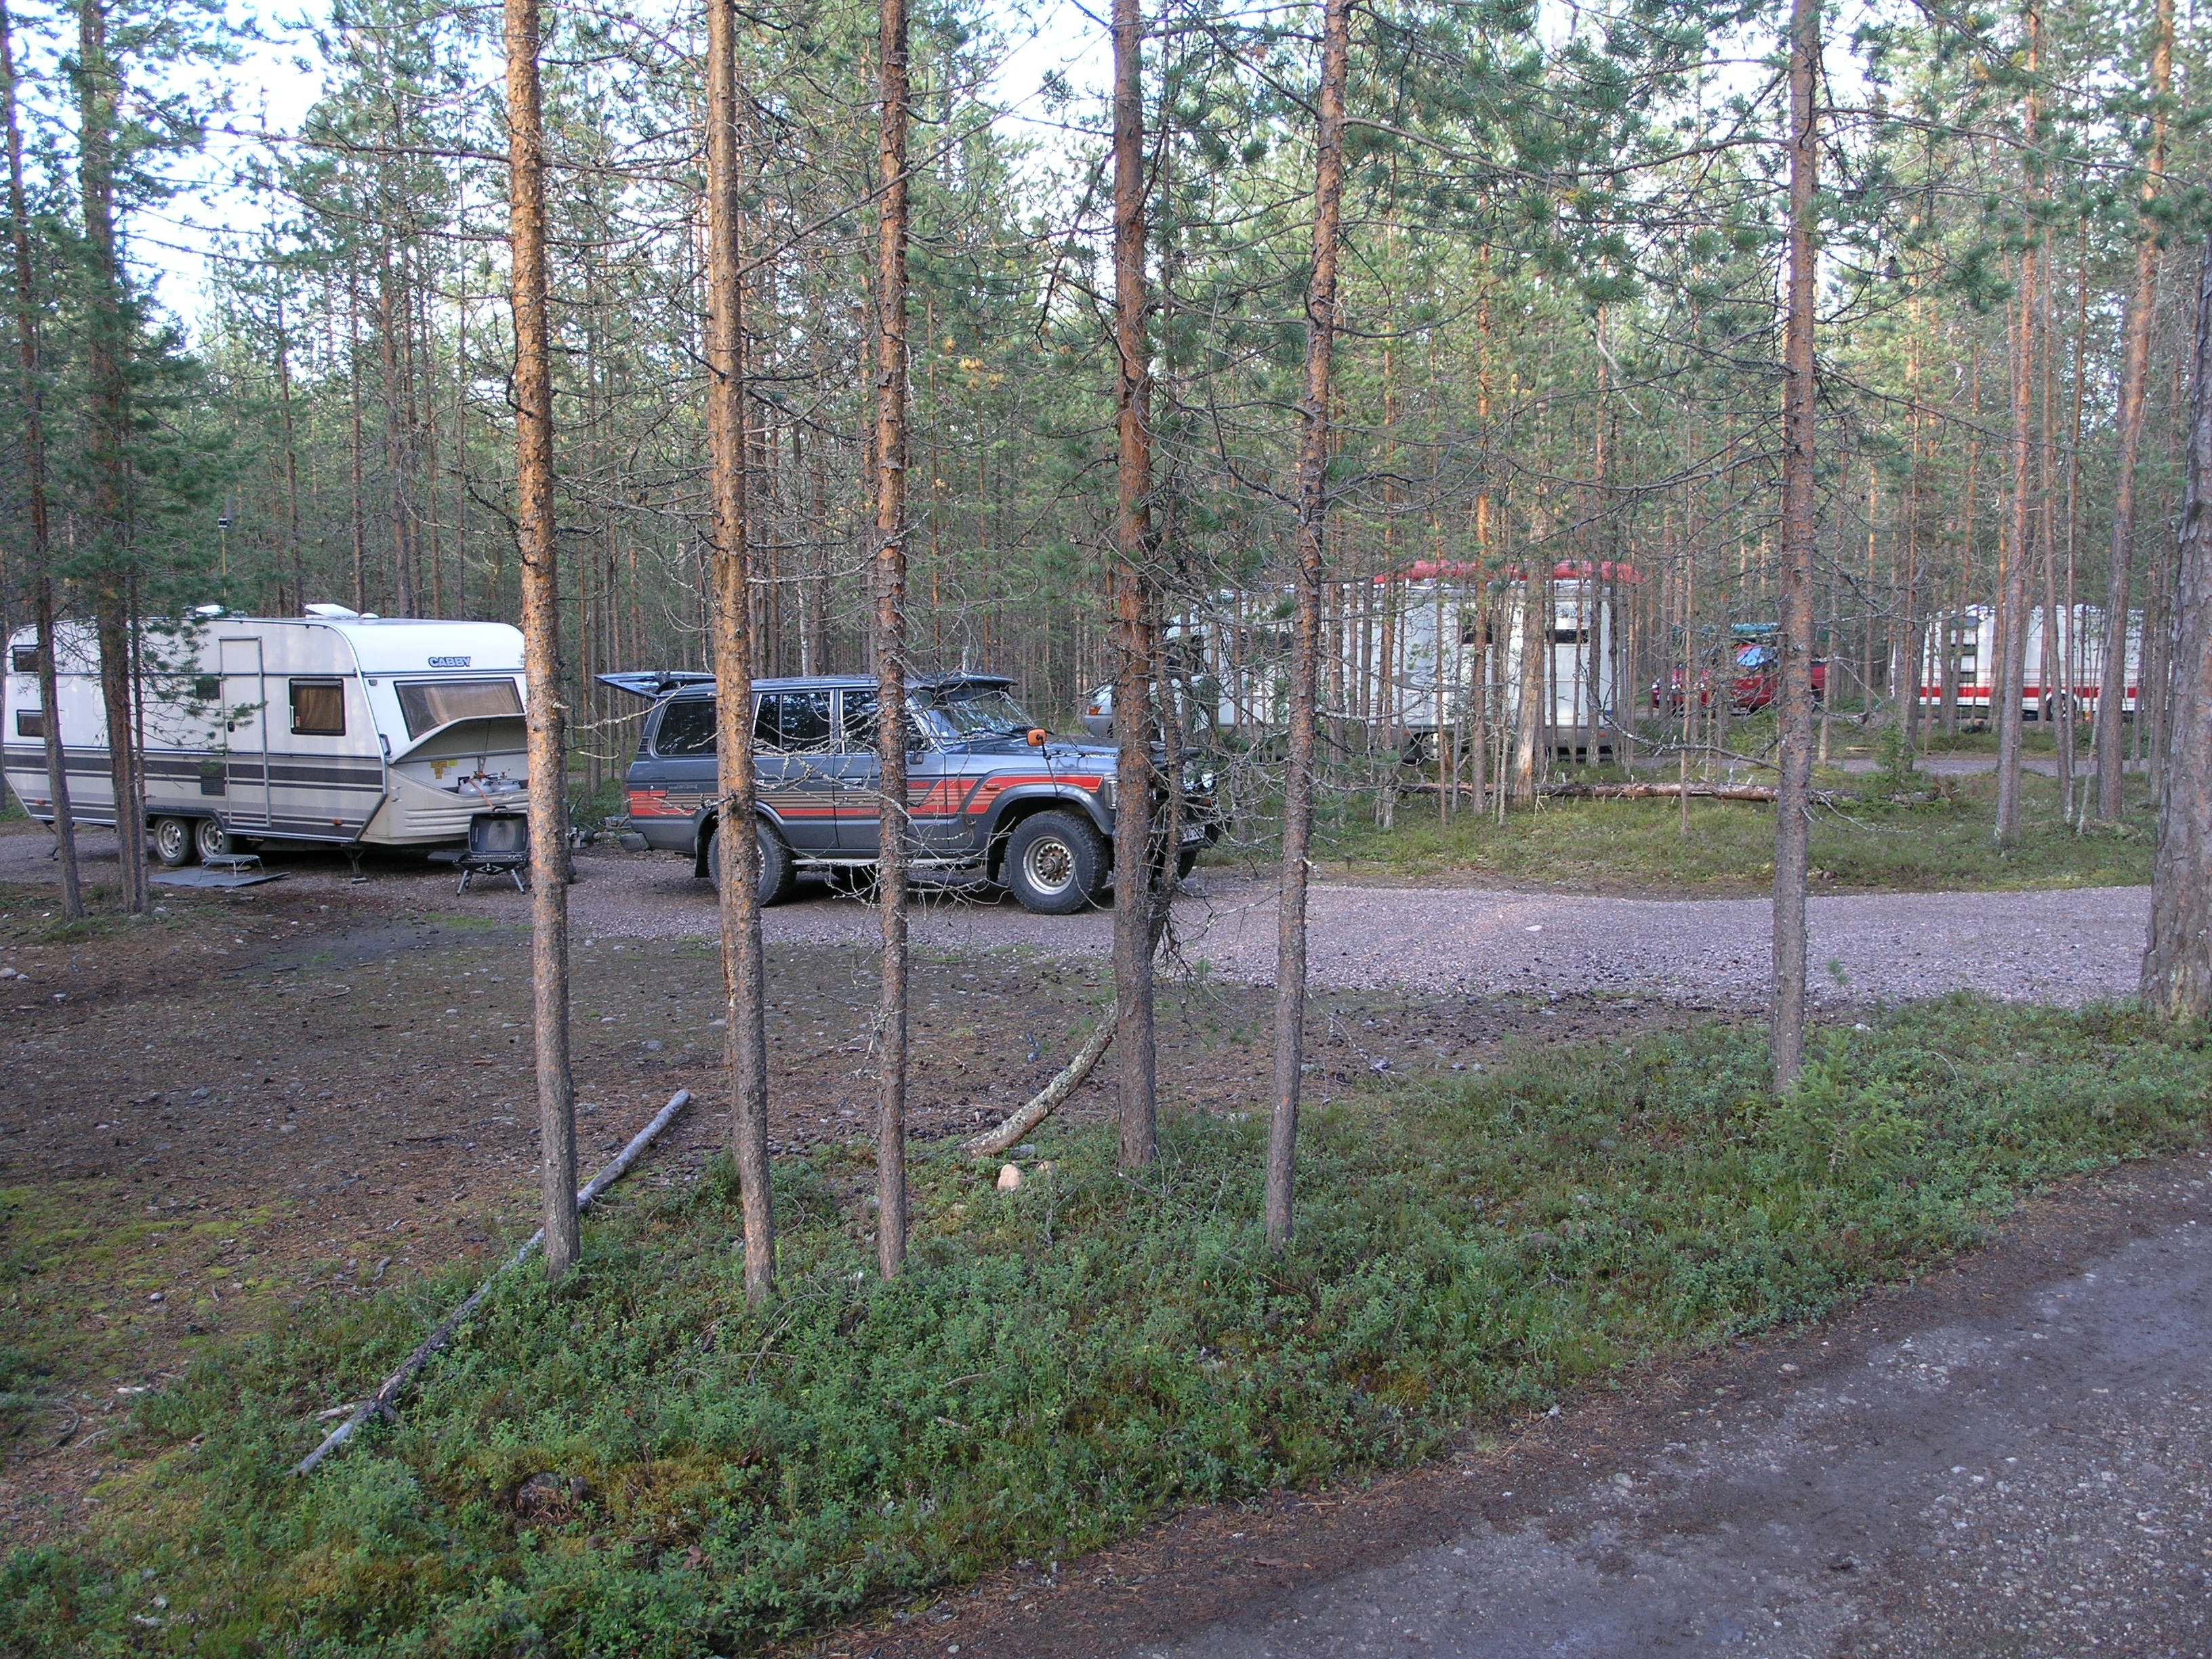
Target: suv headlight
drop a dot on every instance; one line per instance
(1106, 794)
(1197, 782)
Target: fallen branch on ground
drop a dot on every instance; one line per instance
(380, 1402)
(991, 1142)
(1671, 790)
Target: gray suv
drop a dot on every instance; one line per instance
(991, 793)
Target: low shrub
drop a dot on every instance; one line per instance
(640, 1463)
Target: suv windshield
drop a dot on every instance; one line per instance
(960, 712)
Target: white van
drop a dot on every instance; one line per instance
(334, 728)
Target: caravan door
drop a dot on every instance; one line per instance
(246, 718)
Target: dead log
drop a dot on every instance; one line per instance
(1755, 791)
(1047, 1100)
(380, 1404)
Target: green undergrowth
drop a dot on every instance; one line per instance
(1063, 1361)
(1940, 838)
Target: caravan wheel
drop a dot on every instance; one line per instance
(172, 841)
(210, 839)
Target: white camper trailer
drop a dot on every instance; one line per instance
(333, 727)
(1412, 650)
(1410, 645)
(1416, 649)
(1969, 640)
(1580, 652)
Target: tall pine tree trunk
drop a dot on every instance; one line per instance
(1305, 642)
(107, 419)
(296, 556)
(1132, 574)
(541, 640)
(34, 483)
(891, 447)
(1535, 651)
(2177, 970)
(1793, 794)
(736, 834)
(389, 315)
(2134, 379)
(357, 524)
(2009, 687)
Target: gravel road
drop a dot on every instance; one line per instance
(2064, 946)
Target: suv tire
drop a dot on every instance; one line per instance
(779, 875)
(1055, 864)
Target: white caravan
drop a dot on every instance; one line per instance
(1970, 636)
(1579, 656)
(1409, 645)
(334, 728)
(1414, 654)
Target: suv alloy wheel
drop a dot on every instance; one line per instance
(1055, 864)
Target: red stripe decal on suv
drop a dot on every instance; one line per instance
(993, 787)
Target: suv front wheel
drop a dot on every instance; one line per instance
(1055, 864)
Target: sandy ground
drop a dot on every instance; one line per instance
(2059, 946)
(2007, 1459)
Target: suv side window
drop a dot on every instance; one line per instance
(687, 727)
(859, 716)
(795, 722)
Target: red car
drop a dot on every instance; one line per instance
(1758, 683)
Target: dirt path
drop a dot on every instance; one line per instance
(2055, 946)
(2009, 1458)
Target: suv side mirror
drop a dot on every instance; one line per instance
(1037, 737)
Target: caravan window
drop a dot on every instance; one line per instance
(30, 722)
(428, 704)
(26, 658)
(318, 709)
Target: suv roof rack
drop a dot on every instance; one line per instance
(655, 682)
(659, 683)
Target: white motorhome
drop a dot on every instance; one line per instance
(1968, 638)
(333, 727)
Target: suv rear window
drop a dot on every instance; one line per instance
(687, 727)
(427, 705)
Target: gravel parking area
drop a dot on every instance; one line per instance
(2061, 946)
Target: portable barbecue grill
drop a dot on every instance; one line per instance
(499, 845)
